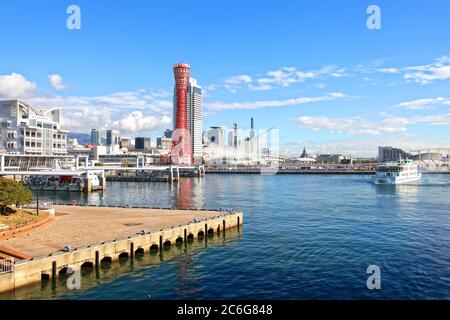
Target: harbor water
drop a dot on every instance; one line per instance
(304, 237)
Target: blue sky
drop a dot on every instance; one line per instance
(311, 69)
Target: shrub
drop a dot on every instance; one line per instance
(12, 192)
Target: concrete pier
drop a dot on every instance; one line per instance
(96, 235)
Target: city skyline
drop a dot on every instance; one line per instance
(318, 87)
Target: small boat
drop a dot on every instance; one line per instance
(403, 171)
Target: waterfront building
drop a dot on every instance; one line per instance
(112, 137)
(334, 159)
(125, 159)
(306, 157)
(187, 109)
(387, 154)
(95, 137)
(26, 130)
(142, 143)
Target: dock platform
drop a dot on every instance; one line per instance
(94, 235)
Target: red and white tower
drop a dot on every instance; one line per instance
(181, 144)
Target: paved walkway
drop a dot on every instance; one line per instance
(82, 226)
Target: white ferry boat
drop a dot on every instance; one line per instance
(403, 171)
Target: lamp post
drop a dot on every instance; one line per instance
(37, 200)
(39, 183)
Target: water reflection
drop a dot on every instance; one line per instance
(184, 194)
(188, 193)
(404, 194)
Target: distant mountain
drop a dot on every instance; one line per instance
(83, 138)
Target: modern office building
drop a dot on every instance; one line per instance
(252, 129)
(112, 137)
(142, 143)
(386, 154)
(25, 130)
(187, 108)
(95, 137)
(168, 133)
(195, 117)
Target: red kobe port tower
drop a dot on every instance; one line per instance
(181, 140)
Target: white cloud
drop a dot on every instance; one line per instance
(435, 120)
(235, 80)
(361, 126)
(82, 119)
(286, 76)
(56, 81)
(234, 83)
(439, 70)
(388, 70)
(15, 85)
(136, 121)
(283, 77)
(217, 106)
(423, 103)
(353, 125)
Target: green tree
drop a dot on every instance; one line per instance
(12, 192)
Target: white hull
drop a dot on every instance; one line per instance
(395, 180)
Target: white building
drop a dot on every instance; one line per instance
(194, 116)
(29, 131)
(216, 135)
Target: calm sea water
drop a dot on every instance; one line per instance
(304, 237)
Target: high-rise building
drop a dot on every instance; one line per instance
(95, 137)
(142, 143)
(112, 137)
(26, 130)
(252, 129)
(195, 117)
(187, 108)
(168, 133)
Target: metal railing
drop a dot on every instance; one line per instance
(43, 205)
(6, 265)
